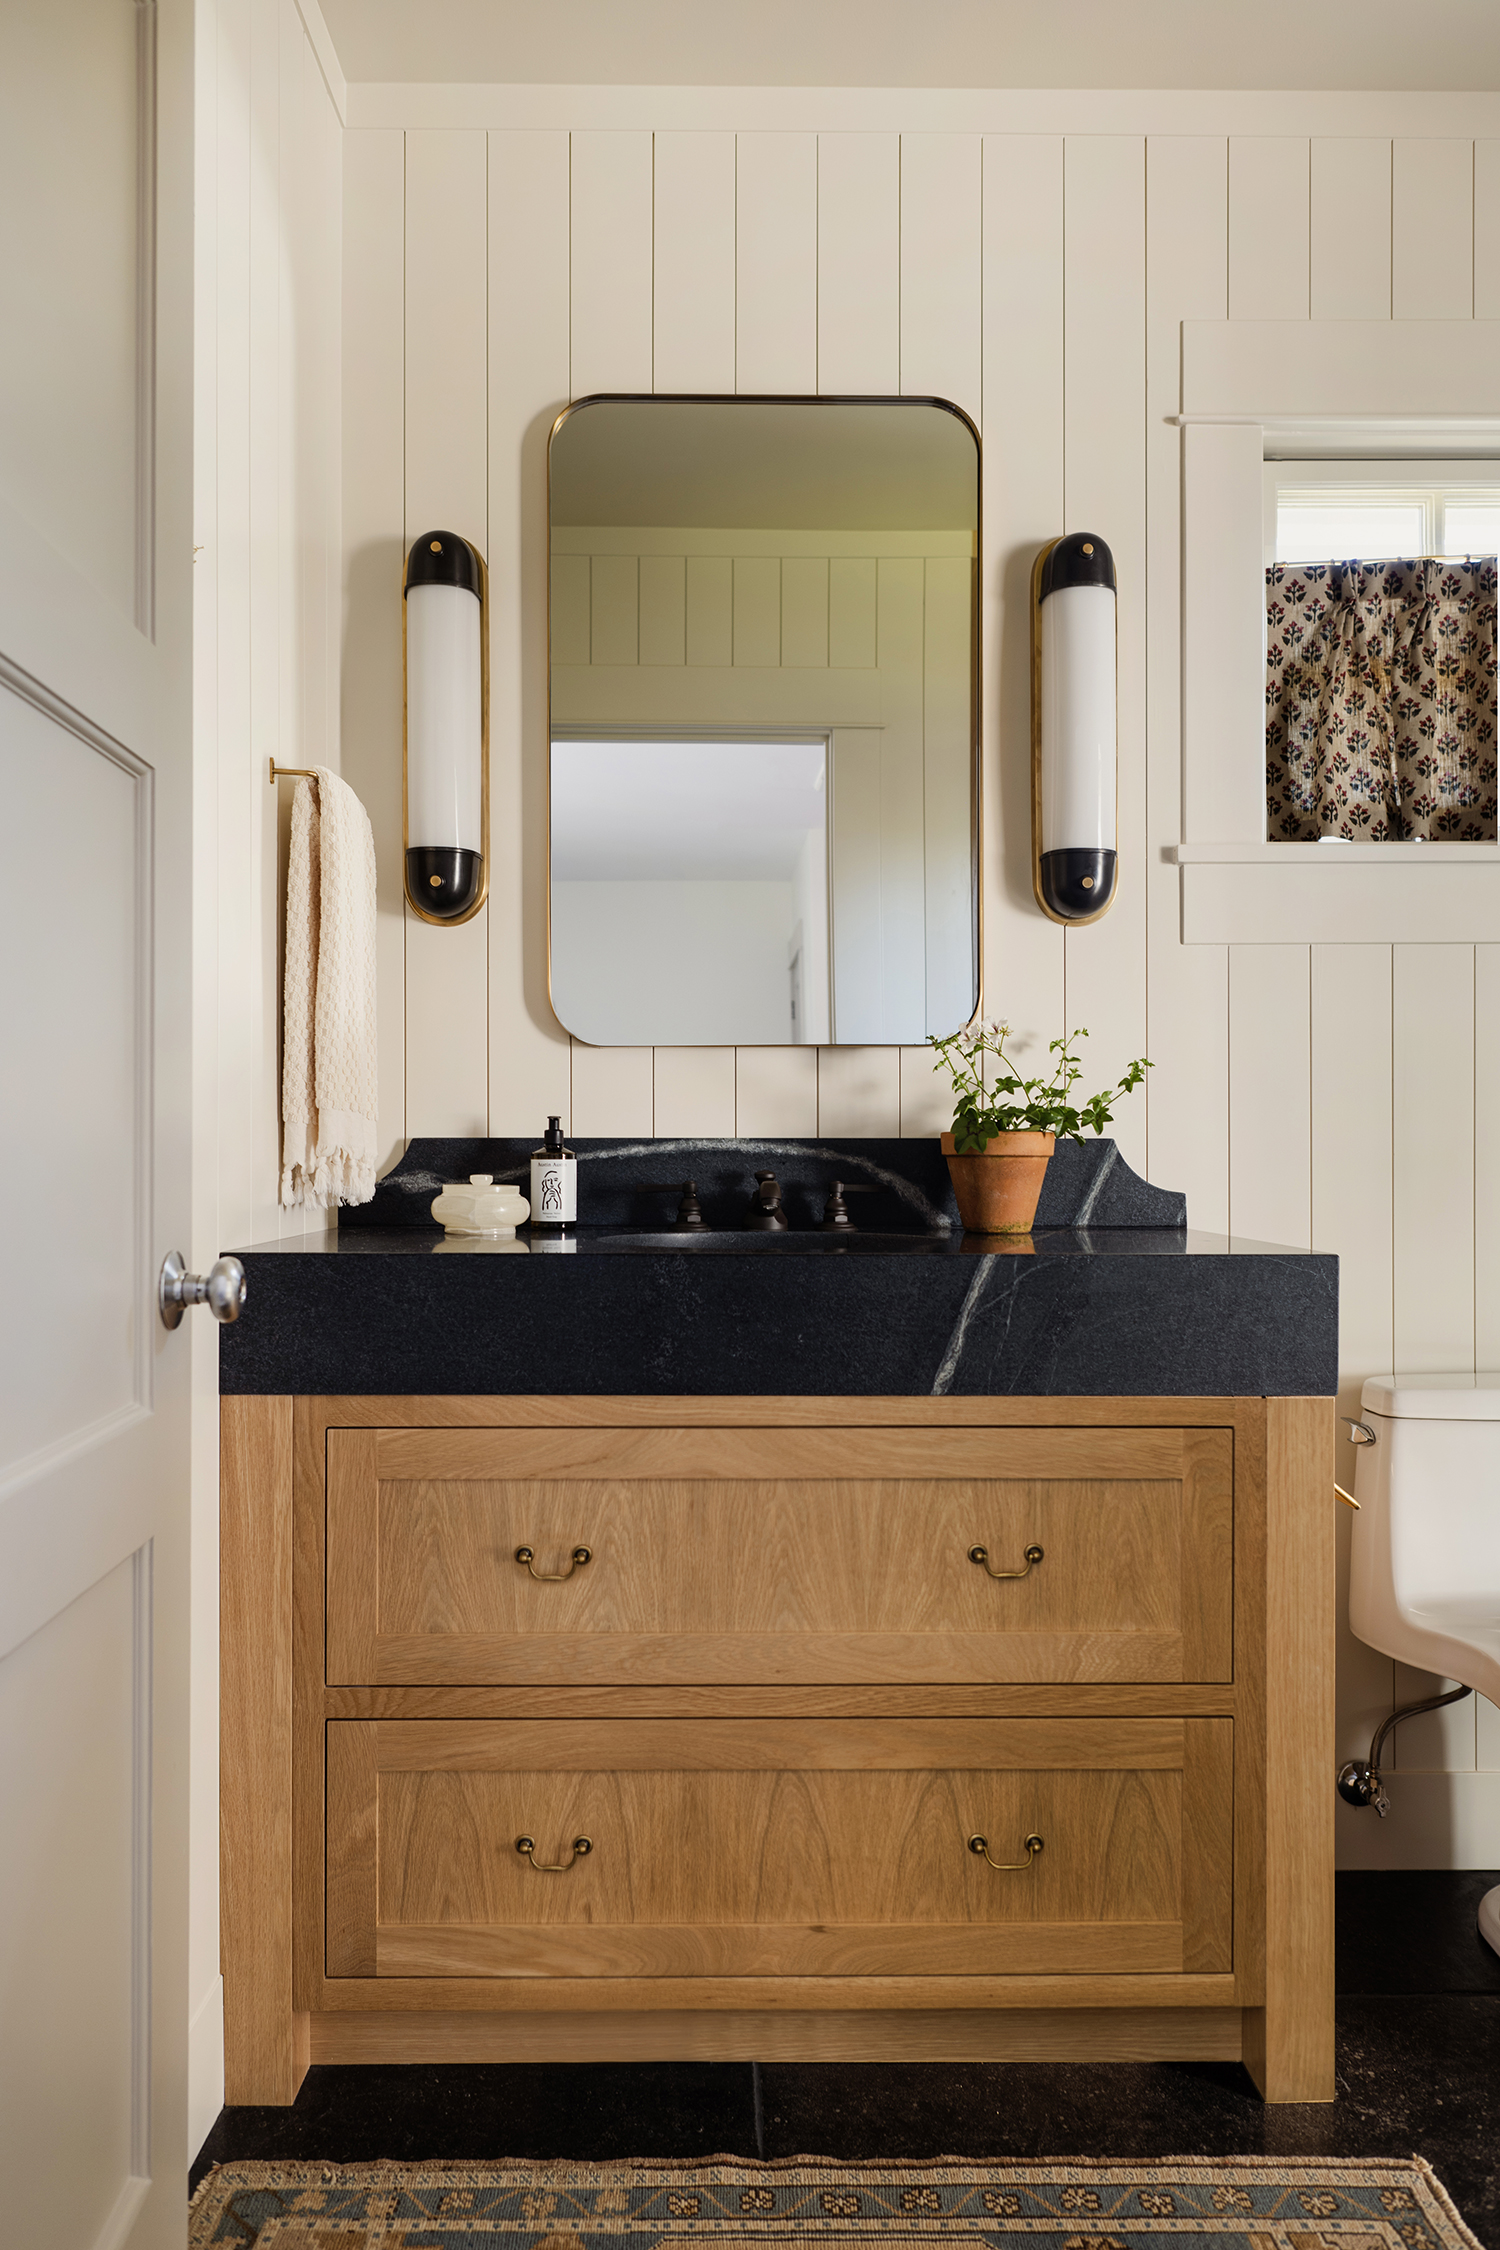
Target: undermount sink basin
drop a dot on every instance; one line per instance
(748, 1242)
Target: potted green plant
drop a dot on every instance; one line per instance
(1005, 1127)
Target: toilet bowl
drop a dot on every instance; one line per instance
(1424, 1566)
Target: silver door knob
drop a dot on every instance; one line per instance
(222, 1289)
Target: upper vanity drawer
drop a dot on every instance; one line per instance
(457, 1556)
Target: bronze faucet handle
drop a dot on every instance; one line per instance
(835, 1212)
(689, 1209)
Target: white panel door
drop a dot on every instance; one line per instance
(95, 980)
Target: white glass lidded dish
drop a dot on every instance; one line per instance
(483, 1206)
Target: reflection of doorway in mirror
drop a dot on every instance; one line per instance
(690, 889)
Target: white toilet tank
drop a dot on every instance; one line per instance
(1424, 1582)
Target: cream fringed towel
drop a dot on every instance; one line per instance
(329, 1031)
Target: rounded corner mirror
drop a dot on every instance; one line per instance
(763, 676)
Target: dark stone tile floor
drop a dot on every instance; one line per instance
(1418, 2072)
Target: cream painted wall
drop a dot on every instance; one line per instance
(1030, 257)
(266, 684)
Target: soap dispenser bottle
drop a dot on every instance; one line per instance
(554, 1180)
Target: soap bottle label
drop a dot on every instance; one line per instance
(554, 1191)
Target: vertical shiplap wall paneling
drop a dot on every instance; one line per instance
(693, 307)
(1187, 986)
(776, 262)
(1270, 1140)
(1270, 1023)
(612, 350)
(1351, 984)
(1351, 230)
(1104, 440)
(1487, 230)
(693, 291)
(1432, 230)
(1486, 1165)
(270, 437)
(859, 262)
(611, 262)
(239, 1000)
(1487, 1157)
(374, 510)
(776, 349)
(941, 336)
(1433, 1079)
(1023, 509)
(447, 995)
(1351, 1216)
(1433, 1136)
(1270, 226)
(530, 1058)
(291, 471)
(942, 356)
(859, 350)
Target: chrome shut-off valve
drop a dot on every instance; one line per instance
(222, 1289)
(1360, 1784)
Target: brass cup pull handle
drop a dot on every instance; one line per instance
(981, 1555)
(526, 1846)
(576, 1561)
(980, 1847)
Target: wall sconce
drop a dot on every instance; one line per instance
(445, 765)
(1074, 785)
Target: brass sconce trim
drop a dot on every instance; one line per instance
(423, 914)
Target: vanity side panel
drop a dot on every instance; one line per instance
(1250, 1704)
(265, 2042)
(1289, 2043)
(309, 1530)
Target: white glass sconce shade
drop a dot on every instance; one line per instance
(446, 808)
(1074, 725)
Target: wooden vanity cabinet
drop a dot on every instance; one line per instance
(832, 1728)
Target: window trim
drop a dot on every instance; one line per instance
(1259, 392)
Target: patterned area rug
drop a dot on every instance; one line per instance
(1245, 2203)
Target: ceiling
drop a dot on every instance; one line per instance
(1375, 46)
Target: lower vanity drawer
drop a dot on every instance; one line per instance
(677, 1556)
(743, 1847)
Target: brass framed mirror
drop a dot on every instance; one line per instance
(764, 689)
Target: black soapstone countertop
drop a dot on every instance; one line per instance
(1110, 1295)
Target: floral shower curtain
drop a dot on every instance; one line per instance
(1380, 700)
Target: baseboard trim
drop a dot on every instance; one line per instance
(205, 2065)
(688, 2035)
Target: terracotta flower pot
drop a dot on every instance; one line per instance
(998, 1192)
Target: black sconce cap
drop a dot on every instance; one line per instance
(443, 879)
(1077, 885)
(441, 558)
(1082, 559)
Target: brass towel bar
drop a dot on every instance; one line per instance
(289, 773)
